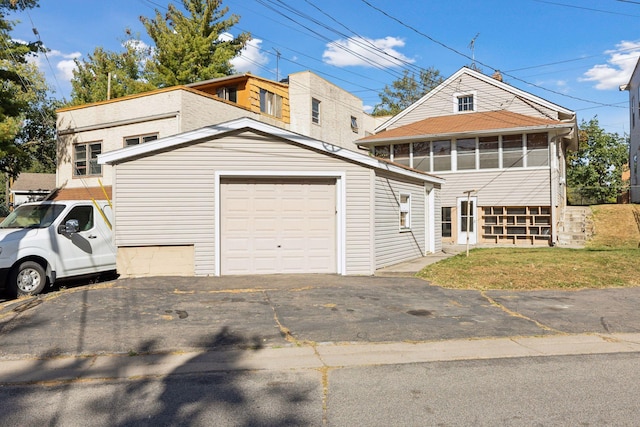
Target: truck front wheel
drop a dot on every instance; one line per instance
(28, 278)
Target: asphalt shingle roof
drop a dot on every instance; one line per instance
(463, 123)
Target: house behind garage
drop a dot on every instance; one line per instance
(246, 197)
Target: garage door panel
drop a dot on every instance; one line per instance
(278, 226)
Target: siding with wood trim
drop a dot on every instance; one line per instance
(168, 198)
(393, 245)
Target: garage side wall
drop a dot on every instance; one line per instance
(168, 199)
(393, 243)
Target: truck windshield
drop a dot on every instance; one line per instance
(32, 216)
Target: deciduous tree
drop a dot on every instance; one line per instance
(406, 90)
(595, 171)
(106, 75)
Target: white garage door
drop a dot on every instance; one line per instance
(271, 226)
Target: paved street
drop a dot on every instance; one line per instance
(191, 314)
(314, 342)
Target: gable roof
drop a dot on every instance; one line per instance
(27, 181)
(245, 123)
(468, 123)
(479, 76)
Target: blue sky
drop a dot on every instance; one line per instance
(574, 53)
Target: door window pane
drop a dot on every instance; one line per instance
(463, 216)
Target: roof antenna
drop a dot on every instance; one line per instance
(472, 46)
(277, 64)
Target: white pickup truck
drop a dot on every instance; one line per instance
(43, 242)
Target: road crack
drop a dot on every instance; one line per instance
(520, 315)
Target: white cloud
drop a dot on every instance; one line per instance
(617, 71)
(251, 58)
(366, 52)
(65, 65)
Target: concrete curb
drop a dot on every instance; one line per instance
(322, 356)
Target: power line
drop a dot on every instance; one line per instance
(481, 63)
(588, 8)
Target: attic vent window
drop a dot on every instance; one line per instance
(465, 103)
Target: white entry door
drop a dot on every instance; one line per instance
(467, 220)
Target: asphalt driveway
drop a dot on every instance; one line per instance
(169, 314)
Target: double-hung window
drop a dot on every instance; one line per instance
(85, 159)
(315, 111)
(405, 211)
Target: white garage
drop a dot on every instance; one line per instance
(244, 197)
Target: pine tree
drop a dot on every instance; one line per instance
(192, 48)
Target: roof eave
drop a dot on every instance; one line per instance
(433, 136)
(127, 153)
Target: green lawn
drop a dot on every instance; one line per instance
(610, 259)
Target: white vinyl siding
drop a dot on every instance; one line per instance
(169, 198)
(394, 245)
(524, 187)
(492, 98)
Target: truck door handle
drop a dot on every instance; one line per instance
(92, 236)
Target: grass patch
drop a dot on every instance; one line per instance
(609, 260)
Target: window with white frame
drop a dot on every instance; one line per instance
(402, 154)
(537, 149)
(139, 139)
(270, 103)
(405, 211)
(85, 159)
(466, 153)
(512, 154)
(315, 111)
(464, 102)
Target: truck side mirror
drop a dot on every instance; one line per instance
(69, 227)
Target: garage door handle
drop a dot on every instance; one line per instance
(279, 246)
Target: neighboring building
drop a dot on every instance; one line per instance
(306, 104)
(502, 152)
(31, 187)
(246, 197)
(633, 87)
